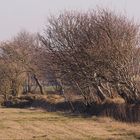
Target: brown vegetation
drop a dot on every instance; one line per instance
(53, 103)
(41, 125)
(91, 60)
(96, 53)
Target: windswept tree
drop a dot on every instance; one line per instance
(94, 52)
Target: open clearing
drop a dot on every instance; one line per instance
(42, 125)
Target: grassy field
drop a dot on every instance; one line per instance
(40, 125)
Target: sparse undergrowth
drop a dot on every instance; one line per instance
(55, 102)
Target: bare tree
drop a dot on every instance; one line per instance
(94, 53)
(18, 64)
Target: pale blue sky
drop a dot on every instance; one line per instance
(31, 15)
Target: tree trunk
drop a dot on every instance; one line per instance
(130, 95)
(14, 88)
(28, 84)
(39, 85)
(100, 93)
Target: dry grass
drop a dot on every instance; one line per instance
(40, 125)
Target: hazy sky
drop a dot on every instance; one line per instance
(31, 15)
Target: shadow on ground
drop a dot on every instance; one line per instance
(121, 112)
